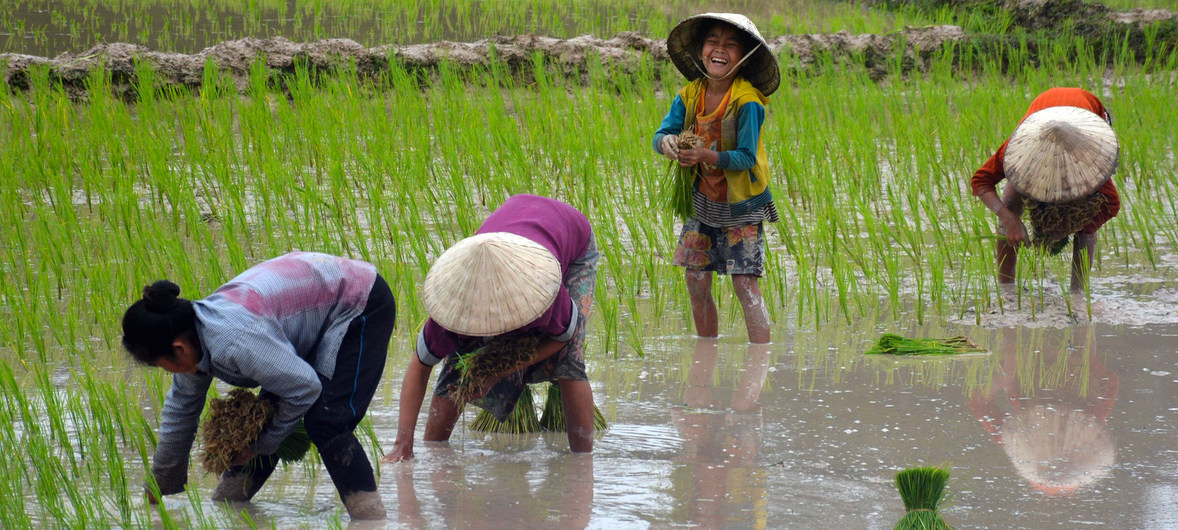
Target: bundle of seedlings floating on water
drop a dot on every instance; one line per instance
(893, 344)
(1061, 218)
(681, 179)
(235, 422)
(922, 489)
(553, 417)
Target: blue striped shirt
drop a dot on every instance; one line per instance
(279, 326)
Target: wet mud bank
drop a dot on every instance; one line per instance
(624, 54)
(904, 51)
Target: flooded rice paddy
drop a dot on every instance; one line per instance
(1055, 428)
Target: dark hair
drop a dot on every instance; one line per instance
(154, 321)
(748, 42)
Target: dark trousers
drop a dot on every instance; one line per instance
(331, 420)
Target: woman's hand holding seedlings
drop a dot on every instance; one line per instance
(698, 155)
(669, 144)
(1016, 233)
(243, 457)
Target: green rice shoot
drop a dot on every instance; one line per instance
(522, 419)
(892, 344)
(553, 417)
(680, 181)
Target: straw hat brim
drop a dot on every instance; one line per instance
(1058, 449)
(491, 283)
(1060, 154)
(760, 69)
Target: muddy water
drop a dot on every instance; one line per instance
(1054, 428)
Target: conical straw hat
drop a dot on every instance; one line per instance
(490, 284)
(760, 69)
(1058, 450)
(1060, 154)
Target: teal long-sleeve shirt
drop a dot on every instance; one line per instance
(749, 119)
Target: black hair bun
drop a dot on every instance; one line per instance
(161, 296)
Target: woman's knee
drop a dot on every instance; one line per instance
(747, 286)
(699, 282)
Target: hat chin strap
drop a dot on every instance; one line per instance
(704, 71)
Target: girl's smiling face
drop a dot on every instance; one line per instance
(722, 50)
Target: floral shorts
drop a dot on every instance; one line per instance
(568, 364)
(734, 250)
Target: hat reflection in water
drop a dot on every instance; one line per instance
(1058, 450)
(1051, 424)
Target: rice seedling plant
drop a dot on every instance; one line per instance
(522, 420)
(922, 489)
(552, 418)
(892, 344)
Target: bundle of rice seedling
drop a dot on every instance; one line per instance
(235, 422)
(896, 345)
(553, 417)
(1061, 218)
(521, 421)
(496, 357)
(679, 183)
(295, 447)
(922, 489)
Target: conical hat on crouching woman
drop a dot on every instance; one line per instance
(491, 283)
(1060, 154)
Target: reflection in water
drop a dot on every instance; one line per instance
(720, 444)
(556, 492)
(1057, 400)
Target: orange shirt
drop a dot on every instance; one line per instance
(712, 183)
(987, 177)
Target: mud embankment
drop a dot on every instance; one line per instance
(625, 54)
(903, 51)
